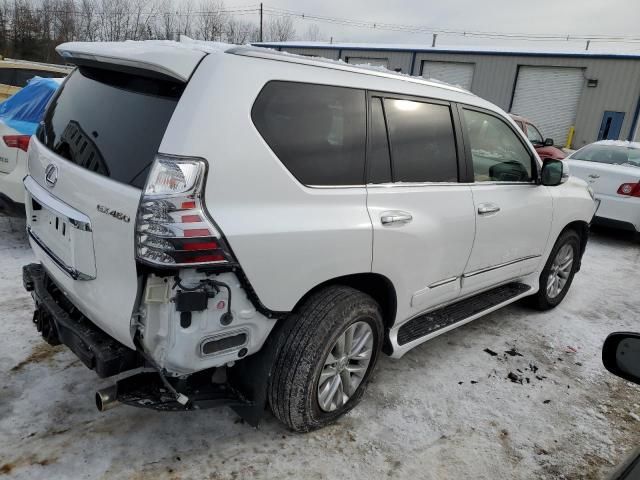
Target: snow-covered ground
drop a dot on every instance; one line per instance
(446, 410)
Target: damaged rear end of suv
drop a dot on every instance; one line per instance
(134, 275)
(222, 225)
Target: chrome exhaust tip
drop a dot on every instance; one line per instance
(106, 398)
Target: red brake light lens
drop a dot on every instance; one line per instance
(172, 228)
(629, 189)
(17, 141)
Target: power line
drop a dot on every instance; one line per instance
(258, 10)
(430, 30)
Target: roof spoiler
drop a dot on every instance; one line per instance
(159, 59)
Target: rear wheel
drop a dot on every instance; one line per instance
(558, 273)
(326, 358)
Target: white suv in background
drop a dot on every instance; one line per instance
(255, 228)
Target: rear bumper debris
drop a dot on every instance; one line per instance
(60, 321)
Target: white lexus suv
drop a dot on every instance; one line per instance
(236, 226)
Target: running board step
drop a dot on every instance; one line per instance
(446, 316)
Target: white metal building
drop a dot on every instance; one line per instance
(595, 93)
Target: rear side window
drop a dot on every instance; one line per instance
(7, 76)
(423, 146)
(378, 159)
(110, 122)
(611, 154)
(318, 132)
(22, 76)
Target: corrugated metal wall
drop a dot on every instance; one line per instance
(495, 77)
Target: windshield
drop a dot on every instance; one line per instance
(533, 134)
(613, 155)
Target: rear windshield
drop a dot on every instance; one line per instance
(611, 154)
(110, 122)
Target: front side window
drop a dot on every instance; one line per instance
(317, 131)
(423, 146)
(498, 154)
(533, 134)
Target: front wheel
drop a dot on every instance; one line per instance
(326, 358)
(558, 273)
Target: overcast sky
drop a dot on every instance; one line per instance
(582, 17)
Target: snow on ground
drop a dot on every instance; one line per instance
(445, 410)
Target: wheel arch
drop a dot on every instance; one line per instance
(379, 287)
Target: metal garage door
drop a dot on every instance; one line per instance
(374, 62)
(549, 96)
(454, 73)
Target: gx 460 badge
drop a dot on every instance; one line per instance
(114, 213)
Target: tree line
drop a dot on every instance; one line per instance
(31, 29)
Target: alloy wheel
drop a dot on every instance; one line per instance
(560, 271)
(345, 366)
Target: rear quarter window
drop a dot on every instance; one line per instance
(317, 131)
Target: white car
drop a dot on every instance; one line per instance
(19, 119)
(612, 169)
(255, 227)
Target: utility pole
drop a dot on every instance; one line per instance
(433, 43)
(261, 22)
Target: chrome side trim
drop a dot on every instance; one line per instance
(72, 272)
(447, 184)
(443, 282)
(76, 219)
(500, 265)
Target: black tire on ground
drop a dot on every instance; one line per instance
(307, 339)
(542, 300)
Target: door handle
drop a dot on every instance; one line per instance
(487, 208)
(594, 176)
(395, 218)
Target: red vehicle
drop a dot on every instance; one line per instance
(544, 147)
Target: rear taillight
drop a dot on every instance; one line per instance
(17, 141)
(172, 228)
(629, 189)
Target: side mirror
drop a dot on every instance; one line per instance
(621, 355)
(548, 142)
(554, 172)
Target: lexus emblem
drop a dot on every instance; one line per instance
(51, 175)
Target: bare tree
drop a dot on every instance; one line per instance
(280, 29)
(313, 33)
(239, 32)
(139, 19)
(186, 14)
(32, 29)
(88, 25)
(211, 21)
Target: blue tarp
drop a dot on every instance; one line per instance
(23, 110)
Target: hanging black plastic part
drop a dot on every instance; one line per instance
(195, 299)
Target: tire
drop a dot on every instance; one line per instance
(307, 340)
(546, 299)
